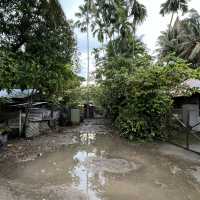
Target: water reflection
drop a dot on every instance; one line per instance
(87, 138)
(85, 180)
(100, 167)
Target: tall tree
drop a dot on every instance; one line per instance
(23, 20)
(102, 14)
(113, 18)
(37, 31)
(36, 47)
(172, 7)
(189, 38)
(168, 40)
(138, 12)
(183, 39)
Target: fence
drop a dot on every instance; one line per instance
(186, 129)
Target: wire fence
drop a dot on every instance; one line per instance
(186, 129)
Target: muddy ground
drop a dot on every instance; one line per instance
(91, 162)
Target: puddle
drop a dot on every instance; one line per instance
(97, 167)
(118, 166)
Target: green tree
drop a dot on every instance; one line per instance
(113, 74)
(189, 38)
(38, 34)
(149, 100)
(36, 47)
(138, 12)
(183, 39)
(173, 6)
(8, 70)
(112, 19)
(168, 40)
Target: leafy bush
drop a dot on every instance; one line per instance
(149, 102)
(139, 97)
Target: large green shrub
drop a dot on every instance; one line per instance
(140, 97)
(149, 102)
(147, 105)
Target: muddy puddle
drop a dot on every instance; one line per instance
(100, 167)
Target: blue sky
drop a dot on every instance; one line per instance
(149, 30)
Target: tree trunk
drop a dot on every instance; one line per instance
(111, 41)
(170, 25)
(30, 102)
(134, 32)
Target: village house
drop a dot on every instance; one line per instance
(187, 103)
(13, 112)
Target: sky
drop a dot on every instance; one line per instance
(149, 30)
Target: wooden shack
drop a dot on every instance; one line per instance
(13, 112)
(187, 103)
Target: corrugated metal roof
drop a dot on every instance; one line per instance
(192, 83)
(34, 104)
(15, 93)
(186, 88)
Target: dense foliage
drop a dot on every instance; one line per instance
(183, 39)
(36, 46)
(107, 18)
(149, 101)
(135, 92)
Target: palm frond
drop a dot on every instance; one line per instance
(172, 6)
(184, 39)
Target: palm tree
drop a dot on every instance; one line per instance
(85, 15)
(139, 13)
(112, 16)
(173, 6)
(102, 15)
(168, 40)
(113, 19)
(189, 45)
(183, 39)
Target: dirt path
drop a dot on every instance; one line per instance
(91, 162)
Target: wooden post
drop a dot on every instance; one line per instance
(188, 130)
(20, 123)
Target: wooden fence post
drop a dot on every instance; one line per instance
(188, 130)
(20, 123)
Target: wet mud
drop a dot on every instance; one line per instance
(92, 162)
